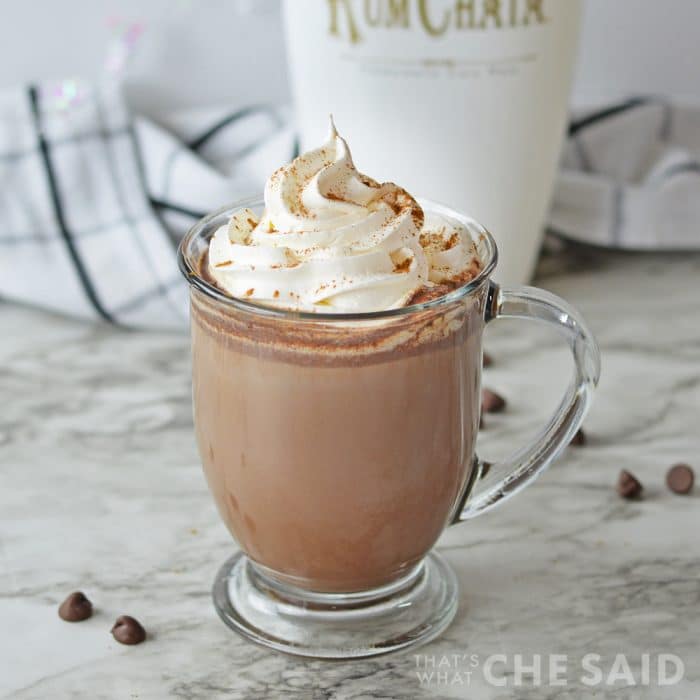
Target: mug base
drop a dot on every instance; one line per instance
(408, 612)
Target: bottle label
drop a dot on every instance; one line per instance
(352, 21)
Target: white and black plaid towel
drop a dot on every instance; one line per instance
(94, 201)
(630, 177)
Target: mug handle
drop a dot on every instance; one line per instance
(492, 484)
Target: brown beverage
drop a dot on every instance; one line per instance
(336, 450)
(336, 455)
(337, 336)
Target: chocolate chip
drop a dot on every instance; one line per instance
(579, 439)
(491, 402)
(628, 486)
(75, 608)
(680, 478)
(487, 359)
(128, 630)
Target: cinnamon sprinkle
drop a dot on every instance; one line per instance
(403, 266)
(435, 240)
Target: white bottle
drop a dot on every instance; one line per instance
(460, 101)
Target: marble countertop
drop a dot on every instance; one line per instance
(101, 490)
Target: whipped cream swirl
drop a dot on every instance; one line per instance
(331, 239)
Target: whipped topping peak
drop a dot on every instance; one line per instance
(332, 239)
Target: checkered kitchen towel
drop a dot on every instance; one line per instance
(94, 201)
(630, 177)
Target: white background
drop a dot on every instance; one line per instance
(197, 52)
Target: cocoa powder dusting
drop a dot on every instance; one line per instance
(331, 344)
(403, 266)
(435, 240)
(428, 293)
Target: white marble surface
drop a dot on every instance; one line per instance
(101, 490)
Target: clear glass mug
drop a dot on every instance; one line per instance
(339, 446)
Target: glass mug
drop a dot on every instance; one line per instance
(339, 446)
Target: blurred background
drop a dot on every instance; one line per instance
(232, 51)
(186, 65)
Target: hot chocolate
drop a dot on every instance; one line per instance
(336, 334)
(336, 456)
(337, 451)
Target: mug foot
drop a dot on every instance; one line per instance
(406, 613)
